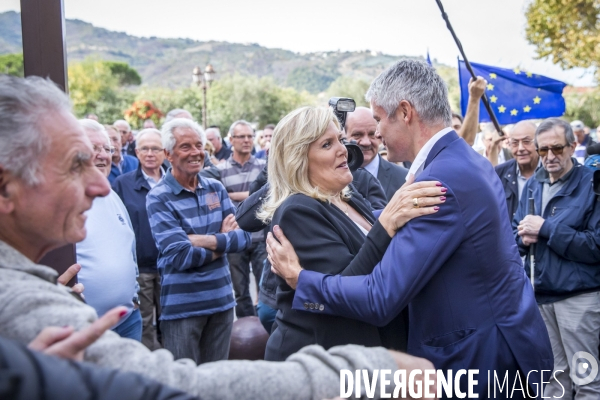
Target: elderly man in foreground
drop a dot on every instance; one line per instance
(47, 182)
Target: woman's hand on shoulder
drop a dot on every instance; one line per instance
(412, 200)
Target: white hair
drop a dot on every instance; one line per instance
(123, 122)
(92, 125)
(171, 115)
(239, 122)
(24, 102)
(416, 82)
(168, 139)
(145, 132)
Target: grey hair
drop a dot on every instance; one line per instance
(92, 125)
(215, 130)
(168, 139)
(145, 132)
(24, 102)
(552, 123)
(416, 82)
(171, 115)
(123, 122)
(239, 122)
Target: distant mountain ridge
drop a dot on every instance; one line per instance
(169, 62)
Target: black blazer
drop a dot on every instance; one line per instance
(507, 172)
(325, 240)
(391, 177)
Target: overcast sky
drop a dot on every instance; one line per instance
(492, 31)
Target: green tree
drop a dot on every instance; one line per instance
(584, 106)
(12, 64)
(314, 79)
(94, 88)
(566, 31)
(346, 86)
(126, 75)
(257, 100)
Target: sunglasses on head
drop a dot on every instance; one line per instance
(556, 150)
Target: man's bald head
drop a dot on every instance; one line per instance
(361, 126)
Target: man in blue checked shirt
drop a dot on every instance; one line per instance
(193, 225)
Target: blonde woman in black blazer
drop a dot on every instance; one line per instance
(327, 225)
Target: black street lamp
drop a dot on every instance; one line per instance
(203, 81)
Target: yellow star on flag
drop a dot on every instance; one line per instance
(493, 76)
(513, 112)
(526, 108)
(493, 99)
(536, 100)
(490, 86)
(517, 71)
(529, 74)
(501, 109)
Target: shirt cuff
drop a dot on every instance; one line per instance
(546, 229)
(221, 242)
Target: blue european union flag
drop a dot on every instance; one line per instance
(514, 94)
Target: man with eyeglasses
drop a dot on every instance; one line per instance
(107, 254)
(121, 163)
(236, 174)
(565, 229)
(132, 188)
(515, 172)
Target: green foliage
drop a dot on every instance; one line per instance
(12, 64)
(566, 31)
(450, 76)
(584, 106)
(257, 100)
(345, 86)
(94, 89)
(313, 79)
(125, 74)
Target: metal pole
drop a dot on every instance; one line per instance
(532, 246)
(204, 121)
(484, 98)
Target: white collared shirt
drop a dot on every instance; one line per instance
(151, 180)
(419, 164)
(373, 166)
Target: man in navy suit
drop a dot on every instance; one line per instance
(361, 126)
(471, 306)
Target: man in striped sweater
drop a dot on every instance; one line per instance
(193, 225)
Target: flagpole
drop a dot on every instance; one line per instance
(484, 98)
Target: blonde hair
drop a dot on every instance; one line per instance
(288, 157)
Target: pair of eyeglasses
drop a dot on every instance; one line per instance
(154, 150)
(108, 149)
(244, 137)
(556, 150)
(515, 142)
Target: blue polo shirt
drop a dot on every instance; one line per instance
(192, 284)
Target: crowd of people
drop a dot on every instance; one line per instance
(452, 247)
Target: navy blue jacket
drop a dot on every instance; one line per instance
(567, 254)
(130, 164)
(132, 188)
(470, 303)
(507, 172)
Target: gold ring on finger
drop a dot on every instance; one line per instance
(415, 202)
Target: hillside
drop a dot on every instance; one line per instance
(169, 62)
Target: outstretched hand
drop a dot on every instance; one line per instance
(66, 343)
